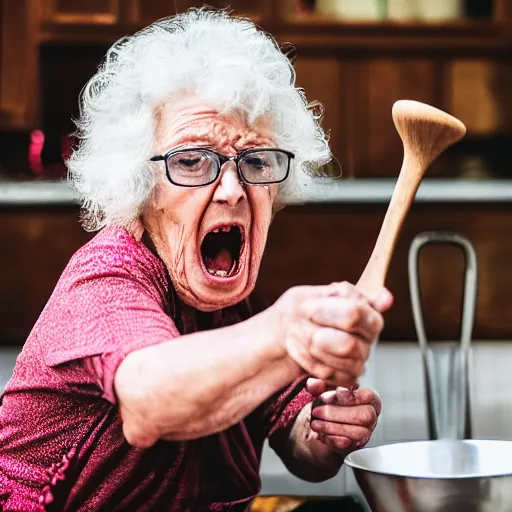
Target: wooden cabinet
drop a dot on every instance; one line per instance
(75, 21)
(142, 12)
(37, 244)
(341, 64)
(314, 244)
(358, 107)
(77, 12)
(325, 243)
(104, 21)
(18, 64)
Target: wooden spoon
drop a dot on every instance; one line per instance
(425, 132)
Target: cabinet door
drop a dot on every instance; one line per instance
(31, 261)
(375, 84)
(18, 65)
(78, 12)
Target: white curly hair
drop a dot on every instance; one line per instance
(226, 60)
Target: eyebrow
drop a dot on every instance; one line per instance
(189, 144)
(205, 140)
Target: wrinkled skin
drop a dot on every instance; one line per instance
(178, 217)
(343, 419)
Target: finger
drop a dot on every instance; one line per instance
(362, 415)
(333, 381)
(357, 435)
(353, 396)
(338, 443)
(368, 396)
(352, 316)
(350, 357)
(353, 367)
(326, 340)
(342, 396)
(338, 396)
(382, 300)
(332, 377)
(328, 397)
(315, 387)
(305, 292)
(346, 290)
(345, 397)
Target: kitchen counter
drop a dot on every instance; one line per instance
(361, 191)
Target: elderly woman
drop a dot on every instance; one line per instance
(149, 382)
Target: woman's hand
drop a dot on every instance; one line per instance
(328, 330)
(326, 430)
(343, 420)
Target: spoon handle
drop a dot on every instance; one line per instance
(374, 275)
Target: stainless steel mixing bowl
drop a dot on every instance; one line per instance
(436, 476)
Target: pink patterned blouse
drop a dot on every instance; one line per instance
(61, 441)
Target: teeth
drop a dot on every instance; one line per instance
(225, 229)
(218, 273)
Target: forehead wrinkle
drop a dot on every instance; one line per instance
(220, 134)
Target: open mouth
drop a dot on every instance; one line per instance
(221, 250)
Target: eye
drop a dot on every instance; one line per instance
(189, 162)
(257, 162)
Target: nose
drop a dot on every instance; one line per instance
(229, 189)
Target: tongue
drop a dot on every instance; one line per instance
(223, 261)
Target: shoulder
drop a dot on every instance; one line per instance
(113, 294)
(114, 253)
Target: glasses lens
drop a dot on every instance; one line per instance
(192, 168)
(265, 166)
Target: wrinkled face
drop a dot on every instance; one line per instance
(210, 238)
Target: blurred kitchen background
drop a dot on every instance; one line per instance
(356, 57)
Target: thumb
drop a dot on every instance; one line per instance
(382, 300)
(315, 386)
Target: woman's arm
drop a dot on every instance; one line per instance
(201, 383)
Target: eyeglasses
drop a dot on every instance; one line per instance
(198, 167)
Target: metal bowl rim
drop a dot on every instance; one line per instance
(349, 462)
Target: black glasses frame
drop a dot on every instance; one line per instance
(222, 159)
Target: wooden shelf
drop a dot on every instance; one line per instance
(82, 33)
(311, 20)
(77, 35)
(314, 30)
